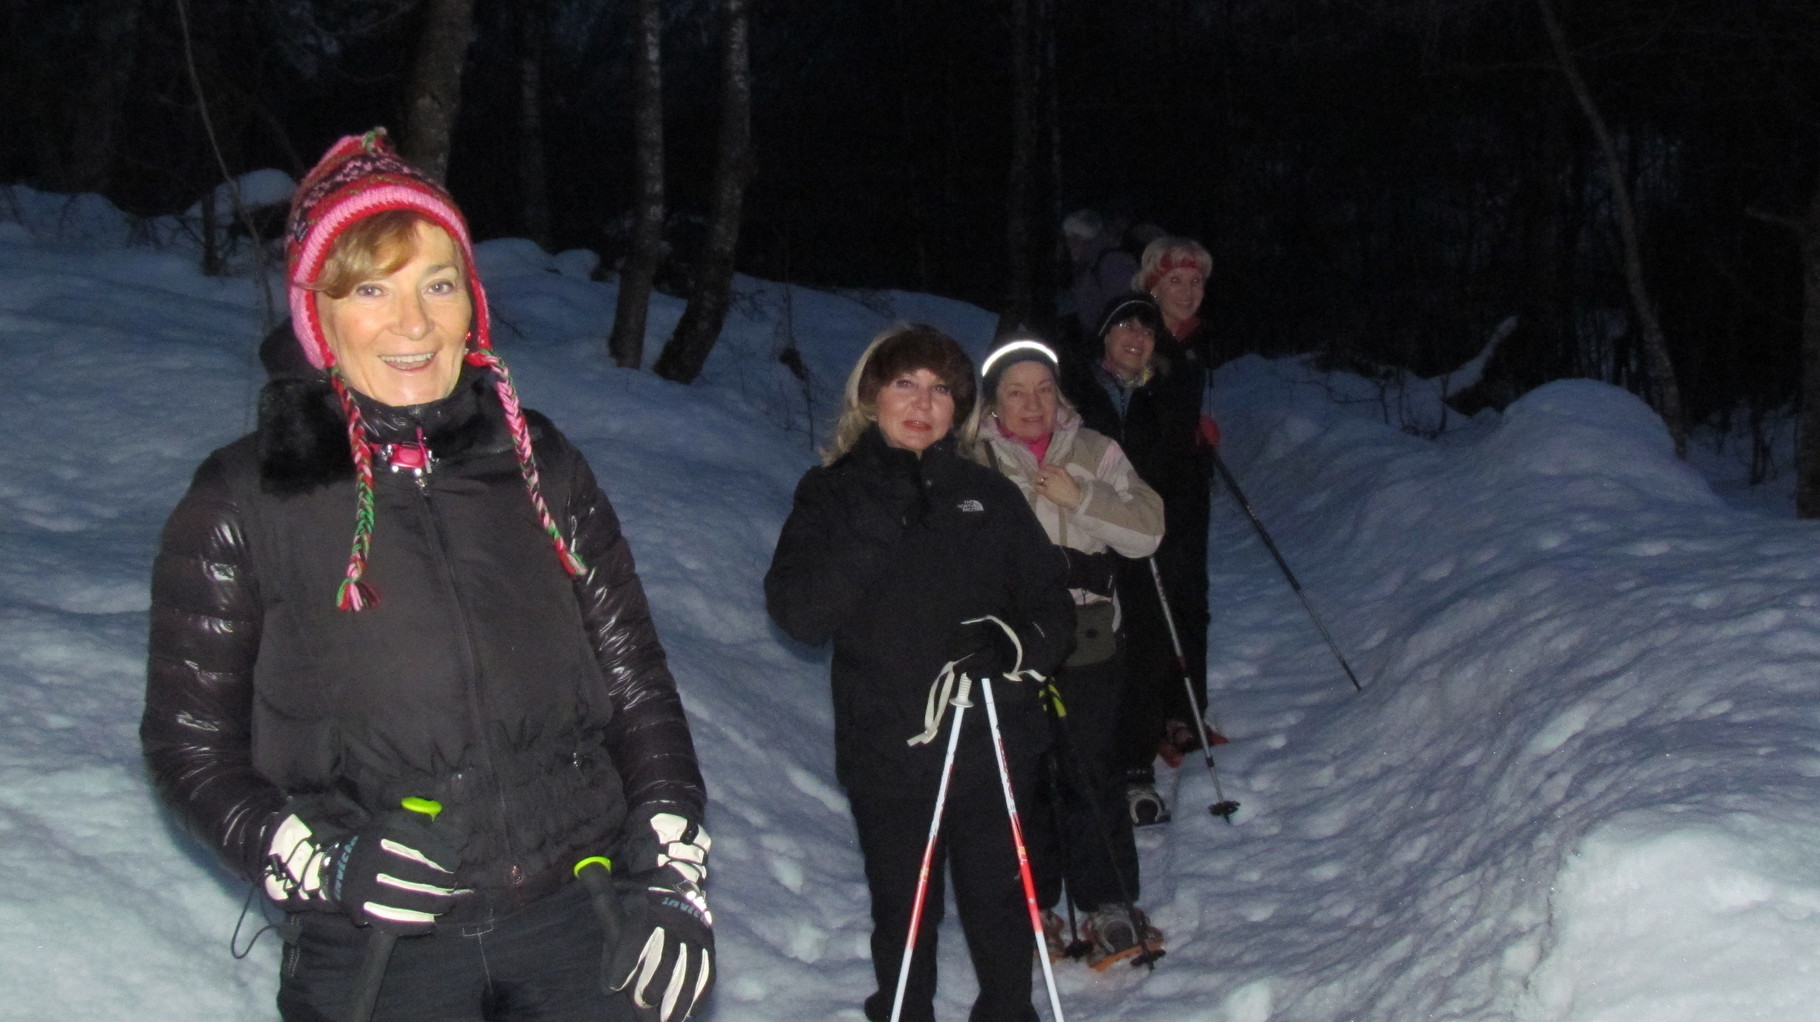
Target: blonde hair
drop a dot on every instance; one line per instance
(904, 347)
(1164, 254)
(372, 247)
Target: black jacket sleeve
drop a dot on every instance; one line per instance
(832, 549)
(648, 738)
(204, 638)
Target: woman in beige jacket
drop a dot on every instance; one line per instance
(1094, 508)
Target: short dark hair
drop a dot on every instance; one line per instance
(918, 346)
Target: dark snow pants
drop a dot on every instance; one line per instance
(1093, 849)
(975, 846)
(539, 964)
(1154, 691)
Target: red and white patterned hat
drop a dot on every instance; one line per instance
(359, 176)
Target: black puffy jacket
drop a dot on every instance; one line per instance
(886, 554)
(537, 708)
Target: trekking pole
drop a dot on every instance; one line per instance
(379, 944)
(1224, 807)
(960, 704)
(1017, 840)
(1226, 473)
(596, 874)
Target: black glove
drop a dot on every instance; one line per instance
(1092, 572)
(981, 649)
(662, 951)
(395, 872)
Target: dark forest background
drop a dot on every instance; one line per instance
(1380, 181)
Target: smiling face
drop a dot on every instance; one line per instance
(915, 410)
(399, 338)
(1129, 345)
(1027, 400)
(1179, 292)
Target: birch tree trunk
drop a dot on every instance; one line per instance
(533, 174)
(687, 350)
(1660, 368)
(435, 96)
(626, 346)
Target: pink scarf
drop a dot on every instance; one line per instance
(1038, 447)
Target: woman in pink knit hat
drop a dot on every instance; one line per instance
(402, 674)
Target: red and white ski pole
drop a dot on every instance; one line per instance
(1017, 827)
(960, 704)
(1023, 854)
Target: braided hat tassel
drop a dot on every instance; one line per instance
(359, 176)
(355, 593)
(527, 465)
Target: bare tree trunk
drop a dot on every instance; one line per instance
(1807, 446)
(96, 104)
(688, 348)
(1060, 268)
(533, 175)
(627, 344)
(435, 95)
(1655, 345)
(1019, 300)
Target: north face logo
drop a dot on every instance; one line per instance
(971, 505)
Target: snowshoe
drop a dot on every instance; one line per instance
(1118, 933)
(1169, 752)
(1179, 741)
(1145, 805)
(1054, 940)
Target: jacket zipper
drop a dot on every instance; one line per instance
(470, 660)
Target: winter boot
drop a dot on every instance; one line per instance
(1055, 937)
(1145, 805)
(1119, 933)
(1179, 741)
(1168, 752)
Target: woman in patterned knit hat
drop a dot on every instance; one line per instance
(402, 673)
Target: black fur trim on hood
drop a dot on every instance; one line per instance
(302, 436)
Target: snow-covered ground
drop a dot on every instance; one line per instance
(1579, 784)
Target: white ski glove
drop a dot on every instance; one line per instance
(664, 955)
(396, 872)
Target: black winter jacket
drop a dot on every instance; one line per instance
(537, 708)
(1157, 428)
(887, 554)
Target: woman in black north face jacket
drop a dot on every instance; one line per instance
(888, 550)
(442, 729)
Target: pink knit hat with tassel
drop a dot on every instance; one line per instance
(359, 176)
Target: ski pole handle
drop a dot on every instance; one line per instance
(596, 874)
(379, 943)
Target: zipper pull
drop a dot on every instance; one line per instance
(413, 458)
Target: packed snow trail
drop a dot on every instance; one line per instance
(1577, 787)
